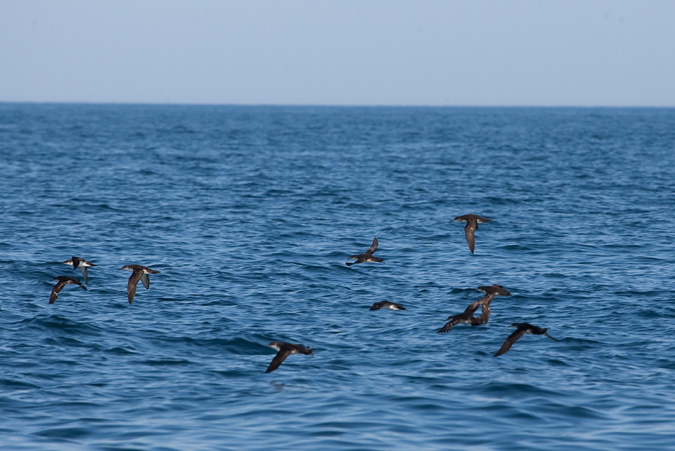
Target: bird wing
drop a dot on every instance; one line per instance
(487, 299)
(484, 314)
(131, 285)
(84, 273)
(448, 326)
(55, 291)
(509, 341)
(145, 278)
(468, 231)
(471, 309)
(373, 247)
(278, 359)
(554, 339)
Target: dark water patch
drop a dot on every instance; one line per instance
(64, 434)
(237, 346)
(60, 323)
(526, 390)
(13, 384)
(166, 362)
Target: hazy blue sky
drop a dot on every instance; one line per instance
(372, 52)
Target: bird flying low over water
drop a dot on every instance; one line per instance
(284, 350)
(141, 273)
(471, 226)
(467, 317)
(386, 305)
(522, 329)
(62, 282)
(484, 303)
(80, 263)
(367, 256)
(495, 290)
(490, 293)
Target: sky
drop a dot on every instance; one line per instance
(346, 52)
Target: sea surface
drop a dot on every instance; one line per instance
(250, 214)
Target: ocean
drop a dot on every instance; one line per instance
(250, 214)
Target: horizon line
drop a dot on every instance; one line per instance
(325, 105)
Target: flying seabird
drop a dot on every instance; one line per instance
(484, 303)
(490, 293)
(367, 256)
(81, 263)
(467, 317)
(495, 289)
(284, 350)
(472, 222)
(387, 305)
(62, 282)
(138, 273)
(522, 329)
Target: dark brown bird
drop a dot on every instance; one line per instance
(490, 293)
(138, 273)
(471, 226)
(284, 350)
(387, 305)
(367, 256)
(484, 303)
(495, 289)
(522, 329)
(467, 317)
(80, 263)
(62, 282)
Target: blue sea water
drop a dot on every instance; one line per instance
(250, 214)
